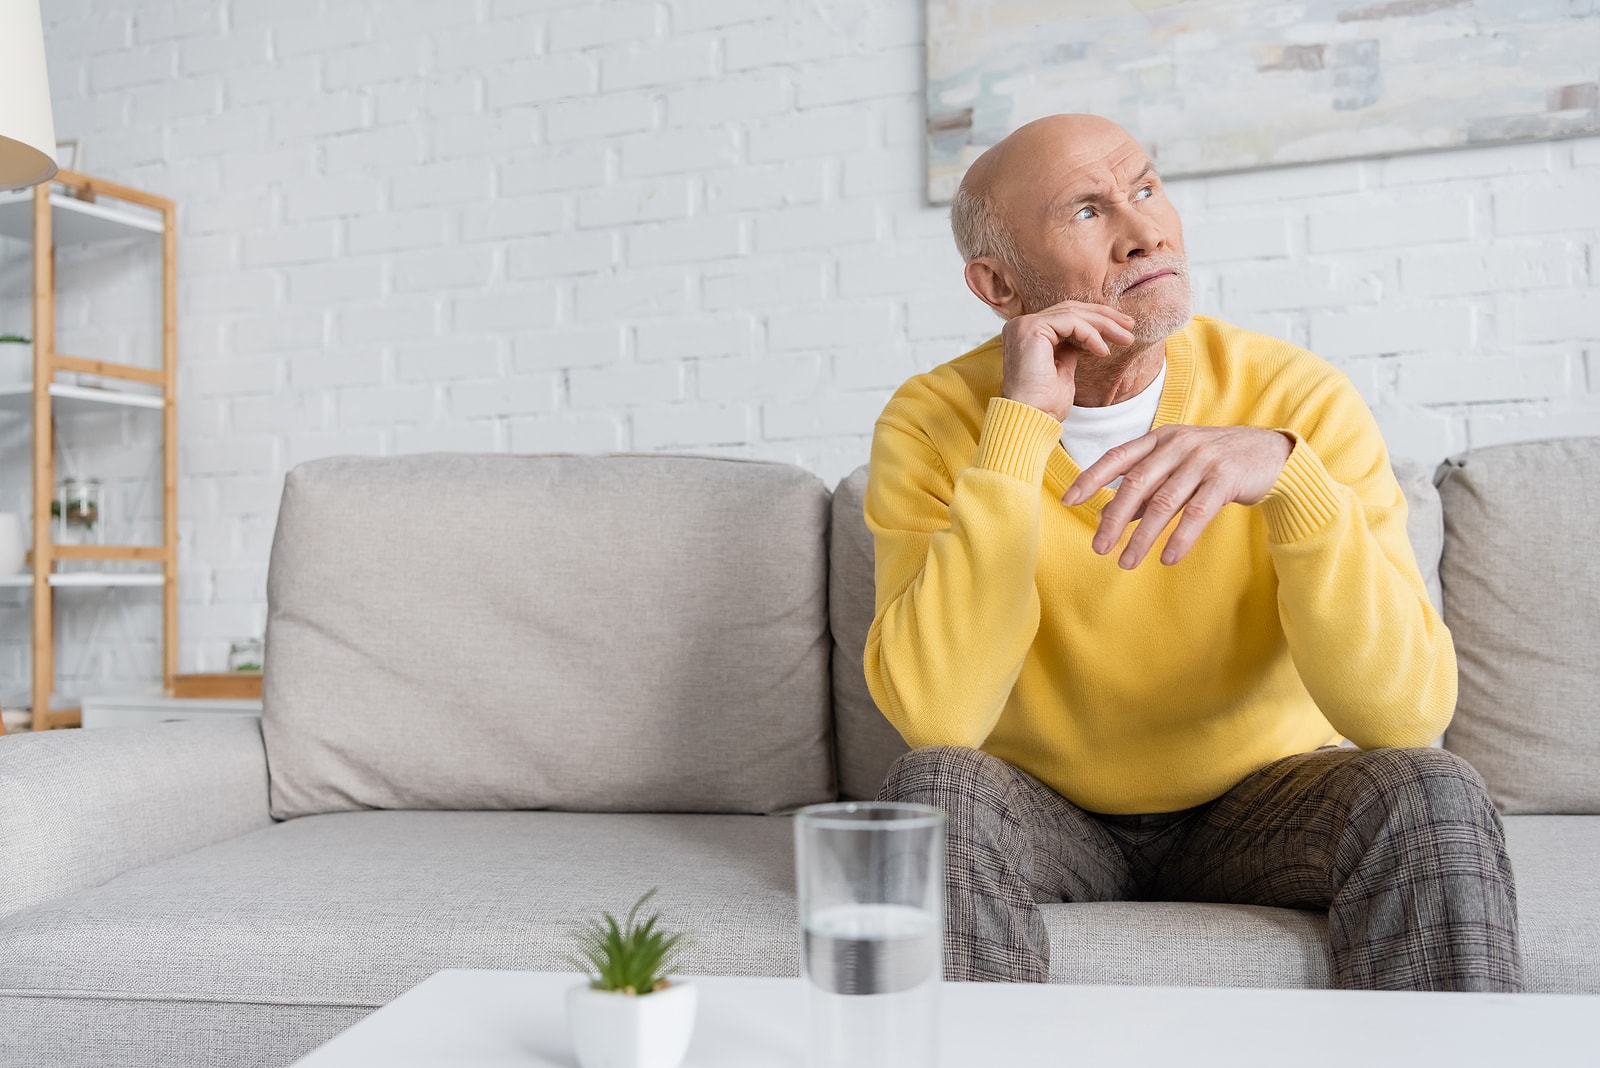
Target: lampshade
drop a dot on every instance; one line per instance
(27, 130)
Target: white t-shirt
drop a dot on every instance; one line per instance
(1090, 433)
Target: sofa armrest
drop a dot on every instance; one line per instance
(78, 808)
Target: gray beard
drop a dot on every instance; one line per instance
(1154, 325)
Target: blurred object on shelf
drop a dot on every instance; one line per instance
(77, 511)
(13, 544)
(245, 656)
(16, 719)
(16, 360)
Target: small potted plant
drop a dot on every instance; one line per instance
(630, 1014)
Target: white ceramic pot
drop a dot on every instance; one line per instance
(611, 1030)
(13, 550)
(16, 364)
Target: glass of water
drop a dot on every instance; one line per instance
(871, 889)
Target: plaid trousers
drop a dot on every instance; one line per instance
(1402, 847)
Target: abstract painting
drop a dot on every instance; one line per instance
(1225, 85)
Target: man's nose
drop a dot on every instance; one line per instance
(1140, 235)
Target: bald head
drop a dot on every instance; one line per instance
(1040, 143)
(1070, 207)
(1012, 176)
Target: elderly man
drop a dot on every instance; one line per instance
(1101, 726)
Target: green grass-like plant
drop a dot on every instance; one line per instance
(15, 339)
(633, 957)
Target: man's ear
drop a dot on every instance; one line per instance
(991, 282)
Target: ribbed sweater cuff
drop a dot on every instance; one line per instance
(1304, 499)
(1017, 439)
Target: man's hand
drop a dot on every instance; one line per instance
(1192, 469)
(1041, 351)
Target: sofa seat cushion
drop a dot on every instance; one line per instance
(354, 908)
(1557, 864)
(1156, 943)
(351, 909)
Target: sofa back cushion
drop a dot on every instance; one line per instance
(1424, 522)
(598, 633)
(867, 744)
(1522, 598)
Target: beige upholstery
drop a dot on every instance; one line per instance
(602, 633)
(866, 743)
(1522, 598)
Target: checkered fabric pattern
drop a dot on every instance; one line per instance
(1402, 847)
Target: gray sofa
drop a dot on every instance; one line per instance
(505, 692)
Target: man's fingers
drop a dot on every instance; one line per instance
(1088, 337)
(1069, 322)
(1140, 486)
(1121, 318)
(1185, 473)
(1202, 508)
(1160, 507)
(1108, 327)
(1108, 467)
(1110, 322)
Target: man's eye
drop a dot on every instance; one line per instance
(1084, 213)
(1145, 193)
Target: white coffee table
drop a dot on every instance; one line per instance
(478, 1019)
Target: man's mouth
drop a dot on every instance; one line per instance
(1153, 276)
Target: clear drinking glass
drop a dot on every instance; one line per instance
(871, 890)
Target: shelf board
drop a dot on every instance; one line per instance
(155, 553)
(74, 221)
(91, 579)
(17, 397)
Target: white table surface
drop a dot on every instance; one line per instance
(478, 1019)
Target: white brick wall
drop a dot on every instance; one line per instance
(692, 225)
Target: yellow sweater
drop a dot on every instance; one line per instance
(1291, 623)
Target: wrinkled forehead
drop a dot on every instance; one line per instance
(1038, 177)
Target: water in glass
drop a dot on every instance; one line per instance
(874, 986)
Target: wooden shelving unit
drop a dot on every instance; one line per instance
(71, 211)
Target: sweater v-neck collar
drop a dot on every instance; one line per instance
(1061, 471)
